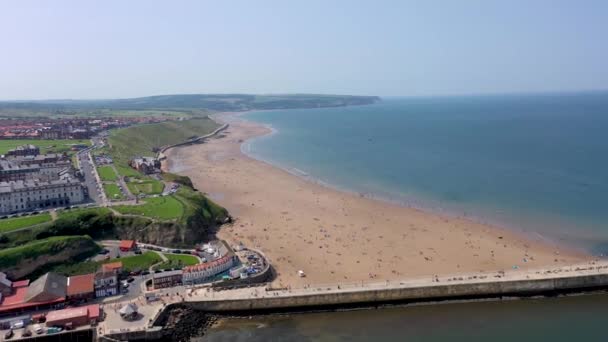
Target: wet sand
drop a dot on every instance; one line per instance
(341, 237)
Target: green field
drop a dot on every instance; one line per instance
(106, 173)
(7, 225)
(113, 191)
(149, 186)
(164, 208)
(46, 146)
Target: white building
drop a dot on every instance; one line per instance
(30, 195)
(106, 284)
(203, 272)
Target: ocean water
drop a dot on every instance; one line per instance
(559, 319)
(535, 163)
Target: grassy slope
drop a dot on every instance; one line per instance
(106, 173)
(46, 146)
(144, 140)
(12, 258)
(130, 263)
(8, 225)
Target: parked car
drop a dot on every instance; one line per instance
(53, 330)
(38, 329)
(137, 251)
(130, 280)
(104, 251)
(26, 333)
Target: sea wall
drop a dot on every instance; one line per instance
(409, 294)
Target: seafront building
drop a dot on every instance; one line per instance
(31, 181)
(16, 196)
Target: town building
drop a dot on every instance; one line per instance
(50, 286)
(9, 171)
(115, 266)
(127, 245)
(81, 287)
(31, 195)
(167, 279)
(24, 150)
(74, 317)
(48, 291)
(206, 271)
(106, 283)
(145, 165)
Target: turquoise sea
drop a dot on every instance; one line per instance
(535, 163)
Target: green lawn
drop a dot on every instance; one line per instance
(185, 259)
(106, 173)
(46, 146)
(177, 261)
(164, 208)
(148, 186)
(141, 261)
(7, 225)
(127, 171)
(113, 191)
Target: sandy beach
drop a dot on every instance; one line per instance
(341, 237)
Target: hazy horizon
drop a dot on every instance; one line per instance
(74, 50)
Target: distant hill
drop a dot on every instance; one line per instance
(214, 102)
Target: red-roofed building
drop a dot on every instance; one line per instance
(202, 272)
(81, 287)
(16, 301)
(112, 267)
(74, 317)
(127, 245)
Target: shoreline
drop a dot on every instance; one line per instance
(224, 160)
(419, 206)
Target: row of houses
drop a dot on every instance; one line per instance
(195, 274)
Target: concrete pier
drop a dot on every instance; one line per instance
(514, 283)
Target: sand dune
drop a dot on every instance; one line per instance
(340, 237)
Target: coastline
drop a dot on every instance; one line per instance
(410, 240)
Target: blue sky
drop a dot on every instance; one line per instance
(104, 49)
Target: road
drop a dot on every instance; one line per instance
(90, 182)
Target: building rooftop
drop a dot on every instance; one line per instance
(127, 244)
(206, 265)
(90, 311)
(112, 266)
(49, 287)
(80, 284)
